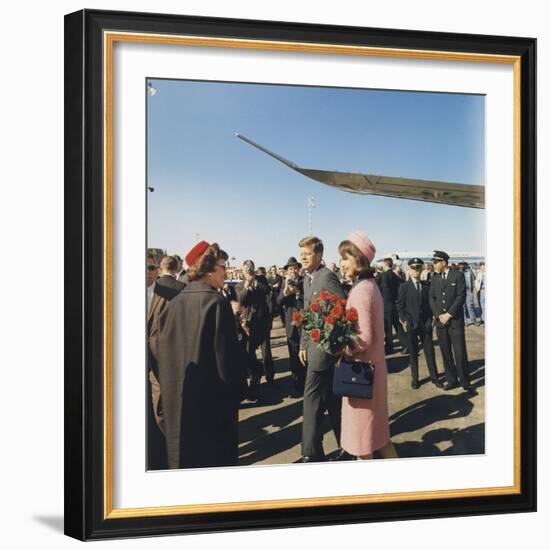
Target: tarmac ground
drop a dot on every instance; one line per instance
(423, 422)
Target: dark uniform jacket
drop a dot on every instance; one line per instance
(389, 286)
(323, 279)
(448, 296)
(291, 303)
(413, 306)
(201, 378)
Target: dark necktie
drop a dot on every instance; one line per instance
(418, 287)
(444, 276)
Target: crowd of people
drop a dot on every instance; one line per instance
(207, 322)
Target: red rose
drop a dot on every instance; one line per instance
(343, 302)
(351, 314)
(315, 334)
(324, 295)
(314, 306)
(329, 320)
(297, 318)
(337, 311)
(333, 298)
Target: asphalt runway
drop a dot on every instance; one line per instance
(423, 422)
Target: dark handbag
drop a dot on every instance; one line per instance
(353, 379)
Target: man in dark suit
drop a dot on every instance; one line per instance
(167, 285)
(447, 296)
(291, 299)
(318, 396)
(389, 287)
(413, 307)
(275, 282)
(160, 291)
(253, 296)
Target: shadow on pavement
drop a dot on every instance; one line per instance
(254, 426)
(429, 411)
(270, 445)
(397, 364)
(467, 441)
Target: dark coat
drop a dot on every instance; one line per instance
(168, 287)
(255, 304)
(290, 304)
(201, 378)
(165, 289)
(389, 286)
(276, 283)
(412, 306)
(448, 296)
(323, 279)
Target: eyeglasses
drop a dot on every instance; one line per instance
(152, 267)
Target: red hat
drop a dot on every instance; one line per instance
(196, 252)
(363, 243)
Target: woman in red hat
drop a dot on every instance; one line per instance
(365, 423)
(200, 372)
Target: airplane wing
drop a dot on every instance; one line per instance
(456, 194)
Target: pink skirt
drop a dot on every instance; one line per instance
(365, 423)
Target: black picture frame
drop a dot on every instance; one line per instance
(85, 494)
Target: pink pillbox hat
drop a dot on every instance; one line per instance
(363, 243)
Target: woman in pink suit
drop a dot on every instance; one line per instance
(365, 424)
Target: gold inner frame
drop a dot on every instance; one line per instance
(109, 39)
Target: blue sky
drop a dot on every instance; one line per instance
(212, 185)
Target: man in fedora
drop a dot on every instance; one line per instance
(291, 299)
(447, 296)
(413, 307)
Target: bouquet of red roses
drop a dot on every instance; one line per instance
(328, 323)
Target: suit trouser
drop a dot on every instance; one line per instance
(481, 302)
(267, 357)
(157, 458)
(296, 367)
(391, 321)
(451, 339)
(469, 307)
(318, 398)
(424, 334)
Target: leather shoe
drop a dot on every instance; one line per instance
(448, 386)
(415, 384)
(470, 390)
(437, 383)
(342, 455)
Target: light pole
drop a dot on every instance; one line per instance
(311, 202)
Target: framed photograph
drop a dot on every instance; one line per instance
(279, 238)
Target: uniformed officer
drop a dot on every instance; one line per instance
(413, 307)
(447, 296)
